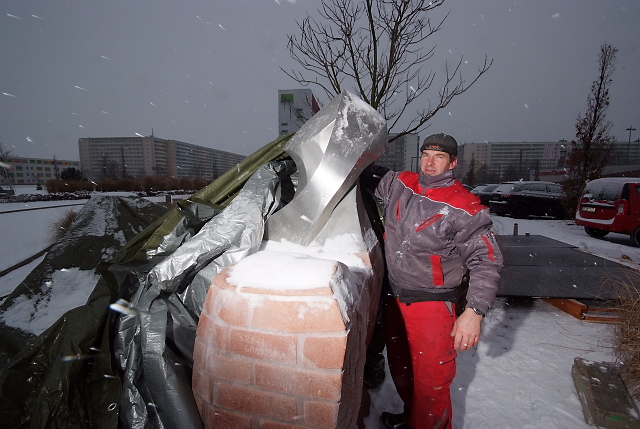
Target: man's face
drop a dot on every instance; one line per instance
(434, 162)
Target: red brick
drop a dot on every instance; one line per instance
(317, 315)
(220, 279)
(220, 337)
(325, 352)
(204, 325)
(311, 384)
(321, 414)
(199, 352)
(217, 418)
(232, 308)
(281, 348)
(249, 401)
(225, 366)
(202, 385)
(213, 334)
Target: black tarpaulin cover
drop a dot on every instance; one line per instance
(91, 367)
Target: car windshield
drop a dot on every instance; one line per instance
(555, 188)
(489, 188)
(504, 188)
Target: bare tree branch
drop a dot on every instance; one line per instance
(379, 48)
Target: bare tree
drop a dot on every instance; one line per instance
(56, 169)
(483, 173)
(470, 177)
(591, 149)
(4, 165)
(378, 48)
(109, 167)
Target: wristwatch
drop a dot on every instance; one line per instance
(478, 312)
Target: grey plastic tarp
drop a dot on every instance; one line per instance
(156, 331)
(133, 366)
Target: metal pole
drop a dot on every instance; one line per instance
(520, 166)
(629, 145)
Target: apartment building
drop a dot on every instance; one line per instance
(501, 161)
(32, 171)
(114, 157)
(402, 154)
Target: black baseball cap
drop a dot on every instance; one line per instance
(441, 142)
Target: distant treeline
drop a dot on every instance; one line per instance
(149, 185)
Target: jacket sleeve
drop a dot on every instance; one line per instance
(479, 250)
(383, 189)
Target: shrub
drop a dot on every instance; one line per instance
(149, 184)
(61, 225)
(626, 333)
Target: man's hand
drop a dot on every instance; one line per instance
(466, 330)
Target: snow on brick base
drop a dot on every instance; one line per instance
(285, 358)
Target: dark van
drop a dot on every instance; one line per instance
(611, 204)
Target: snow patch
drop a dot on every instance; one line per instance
(283, 265)
(67, 289)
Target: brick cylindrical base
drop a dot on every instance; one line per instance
(277, 359)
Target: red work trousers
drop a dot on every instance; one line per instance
(429, 352)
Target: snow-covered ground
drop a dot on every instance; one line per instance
(518, 376)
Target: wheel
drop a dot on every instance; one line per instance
(520, 211)
(562, 214)
(599, 233)
(635, 237)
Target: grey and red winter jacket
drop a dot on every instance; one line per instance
(434, 231)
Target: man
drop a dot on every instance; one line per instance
(436, 232)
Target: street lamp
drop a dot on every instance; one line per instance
(629, 145)
(563, 153)
(520, 165)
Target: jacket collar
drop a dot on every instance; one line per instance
(440, 181)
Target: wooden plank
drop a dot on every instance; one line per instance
(603, 310)
(602, 318)
(569, 306)
(606, 402)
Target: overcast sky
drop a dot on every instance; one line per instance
(207, 71)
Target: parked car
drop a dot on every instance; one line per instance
(7, 192)
(484, 192)
(528, 198)
(611, 204)
(477, 188)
